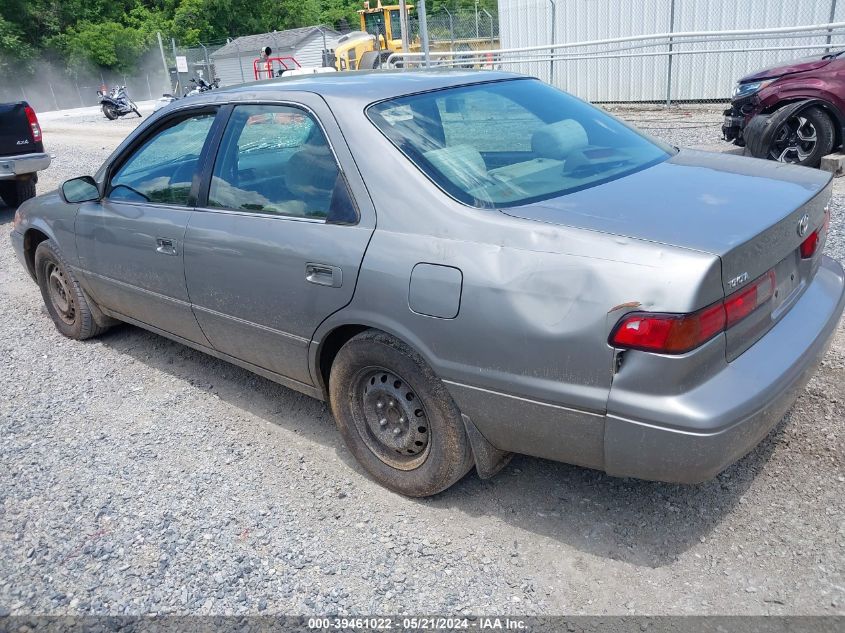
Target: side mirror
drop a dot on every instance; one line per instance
(82, 189)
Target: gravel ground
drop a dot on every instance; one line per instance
(140, 476)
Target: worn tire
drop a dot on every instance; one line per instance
(448, 457)
(53, 273)
(111, 115)
(825, 133)
(15, 192)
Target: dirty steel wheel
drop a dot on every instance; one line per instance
(65, 301)
(390, 418)
(396, 416)
(803, 139)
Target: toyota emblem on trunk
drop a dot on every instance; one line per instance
(803, 225)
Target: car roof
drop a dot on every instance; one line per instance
(368, 86)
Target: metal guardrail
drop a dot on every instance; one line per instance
(664, 39)
(668, 45)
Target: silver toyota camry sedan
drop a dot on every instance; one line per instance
(465, 265)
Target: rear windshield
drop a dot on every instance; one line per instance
(507, 143)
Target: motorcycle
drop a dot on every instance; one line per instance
(116, 103)
(199, 86)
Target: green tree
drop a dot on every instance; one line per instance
(14, 51)
(107, 44)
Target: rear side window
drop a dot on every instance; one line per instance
(162, 169)
(276, 159)
(503, 144)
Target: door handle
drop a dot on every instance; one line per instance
(165, 246)
(324, 275)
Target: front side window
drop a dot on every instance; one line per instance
(507, 143)
(162, 169)
(276, 159)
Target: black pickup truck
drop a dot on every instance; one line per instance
(21, 152)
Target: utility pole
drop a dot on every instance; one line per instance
(175, 61)
(423, 32)
(167, 85)
(403, 23)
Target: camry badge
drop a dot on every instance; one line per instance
(738, 280)
(803, 225)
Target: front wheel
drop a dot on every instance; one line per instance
(110, 112)
(66, 302)
(396, 416)
(803, 139)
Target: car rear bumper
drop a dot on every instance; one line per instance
(13, 166)
(743, 402)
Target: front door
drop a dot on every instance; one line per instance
(130, 243)
(276, 246)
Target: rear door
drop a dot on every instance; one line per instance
(278, 237)
(130, 243)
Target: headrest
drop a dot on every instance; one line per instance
(558, 140)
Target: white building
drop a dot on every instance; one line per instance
(233, 63)
(628, 72)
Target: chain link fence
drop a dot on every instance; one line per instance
(459, 30)
(200, 64)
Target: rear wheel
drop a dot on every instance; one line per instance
(803, 139)
(110, 112)
(65, 301)
(14, 192)
(396, 416)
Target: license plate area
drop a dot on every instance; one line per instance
(788, 286)
(788, 283)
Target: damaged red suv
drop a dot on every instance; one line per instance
(793, 113)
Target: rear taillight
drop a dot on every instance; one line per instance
(669, 333)
(681, 333)
(33, 124)
(743, 302)
(810, 245)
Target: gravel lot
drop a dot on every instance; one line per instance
(140, 476)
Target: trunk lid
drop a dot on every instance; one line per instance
(15, 131)
(745, 211)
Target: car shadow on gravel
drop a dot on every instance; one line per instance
(643, 523)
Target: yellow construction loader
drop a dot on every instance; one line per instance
(380, 35)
